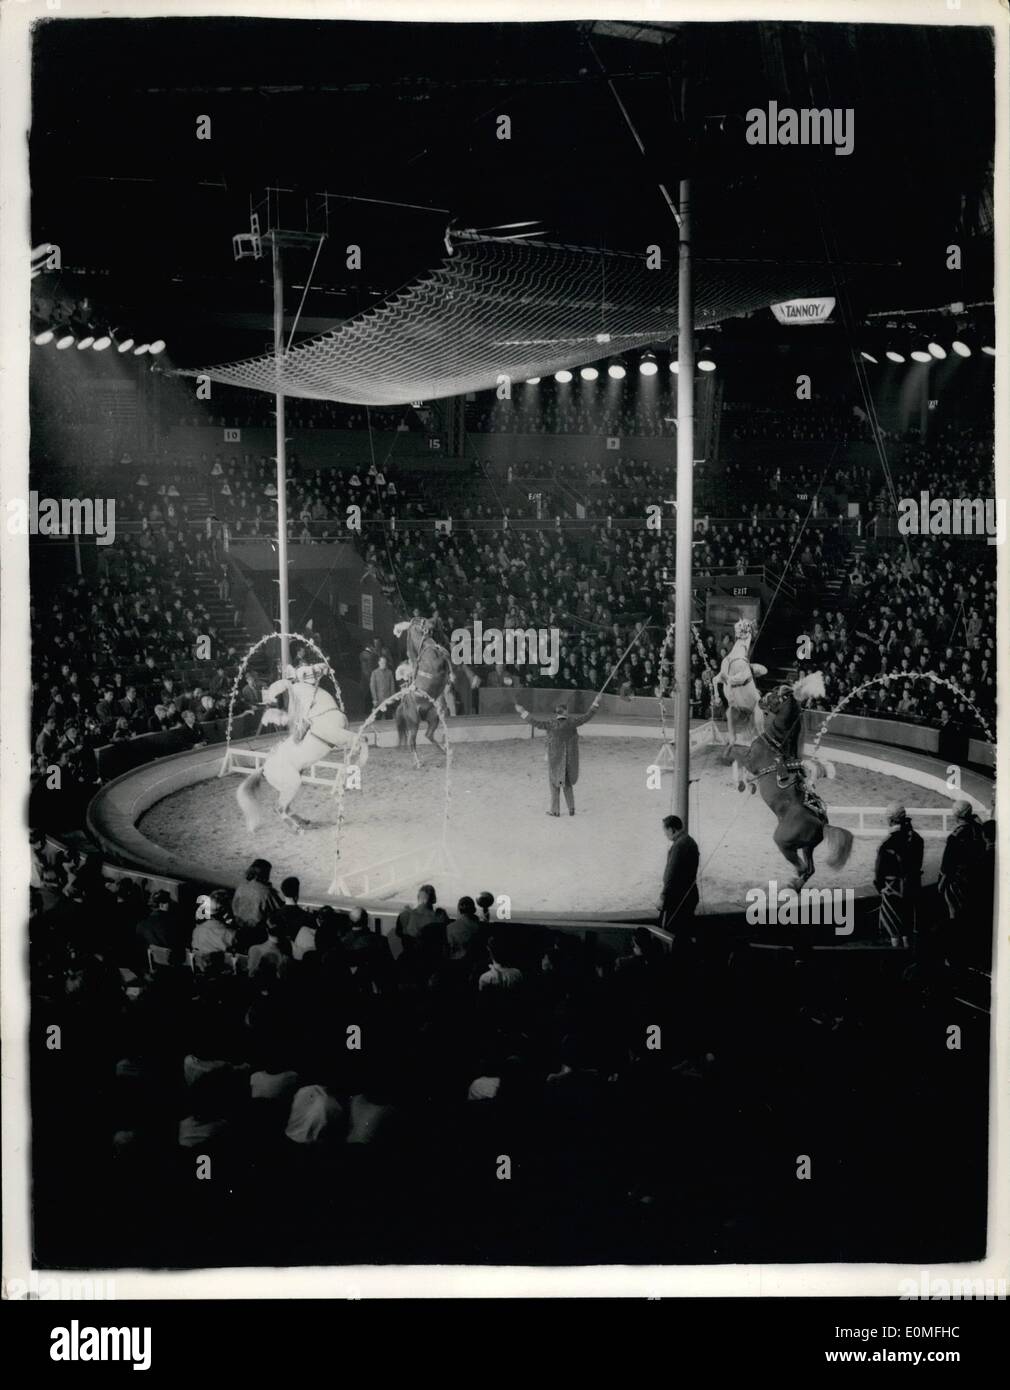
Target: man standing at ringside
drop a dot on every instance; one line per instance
(680, 898)
(562, 751)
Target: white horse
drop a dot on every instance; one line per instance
(318, 725)
(736, 677)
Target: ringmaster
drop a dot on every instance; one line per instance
(562, 751)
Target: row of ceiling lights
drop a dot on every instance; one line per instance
(648, 366)
(932, 352)
(64, 338)
(69, 322)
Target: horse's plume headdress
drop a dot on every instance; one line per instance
(743, 627)
(425, 624)
(809, 687)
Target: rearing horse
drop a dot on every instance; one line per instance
(431, 669)
(774, 768)
(318, 725)
(736, 677)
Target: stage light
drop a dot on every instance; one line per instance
(532, 381)
(989, 351)
(141, 348)
(647, 366)
(157, 346)
(962, 349)
(564, 376)
(46, 336)
(868, 357)
(935, 350)
(85, 342)
(65, 340)
(674, 365)
(100, 344)
(705, 363)
(125, 345)
(616, 371)
(919, 356)
(893, 356)
(589, 374)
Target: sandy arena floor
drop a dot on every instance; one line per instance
(608, 858)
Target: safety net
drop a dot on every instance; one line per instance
(496, 308)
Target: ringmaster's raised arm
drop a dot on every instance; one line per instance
(562, 750)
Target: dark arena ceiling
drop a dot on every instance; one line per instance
(408, 114)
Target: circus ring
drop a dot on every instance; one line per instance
(178, 819)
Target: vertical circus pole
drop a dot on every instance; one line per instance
(282, 472)
(685, 511)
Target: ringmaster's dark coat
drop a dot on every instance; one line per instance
(898, 868)
(680, 888)
(959, 866)
(562, 746)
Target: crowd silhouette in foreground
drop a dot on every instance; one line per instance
(356, 1094)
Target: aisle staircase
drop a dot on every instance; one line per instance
(222, 611)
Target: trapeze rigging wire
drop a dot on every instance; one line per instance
(385, 538)
(305, 291)
(842, 289)
(799, 537)
(631, 126)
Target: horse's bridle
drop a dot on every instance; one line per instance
(792, 766)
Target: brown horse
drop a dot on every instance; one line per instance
(431, 669)
(773, 765)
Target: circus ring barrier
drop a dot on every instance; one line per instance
(385, 878)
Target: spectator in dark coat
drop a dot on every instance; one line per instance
(298, 924)
(465, 935)
(252, 904)
(162, 927)
(679, 901)
(366, 952)
(423, 926)
(963, 858)
(48, 741)
(189, 733)
(381, 684)
(897, 877)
